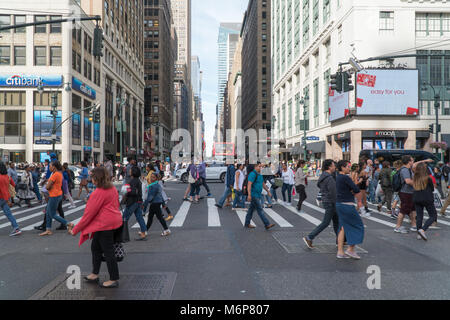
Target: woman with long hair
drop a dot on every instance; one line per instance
(363, 185)
(423, 199)
(5, 181)
(84, 175)
(155, 199)
(133, 202)
(101, 219)
(300, 184)
(54, 187)
(25, 188)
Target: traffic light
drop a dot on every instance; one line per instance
(431, 128)
(98, 42)
(336, 82)
(91, 115)
(347, 82)
(97, 116)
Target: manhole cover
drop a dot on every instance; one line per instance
(292, 242)
(154, 286)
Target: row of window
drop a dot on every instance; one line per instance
(18, 53)
(5, 20)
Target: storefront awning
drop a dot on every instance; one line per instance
(316, 147)
(296, 150)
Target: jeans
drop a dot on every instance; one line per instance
(195, 189)
(103, 243)
(269, 200)
(431, 209)
(330, 214)
(288, 188)
(256, 205)
(8, 214)
(136, 209)
(372, 190)
(225, 195)
(52, 206)
(239, 199)
(203, 183)
(155, 209)
(300, 189)
(446, 205)
(36, 191)
(273, 191)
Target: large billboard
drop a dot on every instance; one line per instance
(338, 104)
(387, 92)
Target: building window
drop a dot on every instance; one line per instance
(87, 126)
(76, 120)
(55, 56)
(5, 55)
(12, 98)
(43, 124)
(19, 20)
(432, 24)
(20, 55)
(12, 127)
(40, 56)
(5, 20)
(55, 27)
(326, 11)
(386, 22)
(79, 63)
(340, 34)
(45, 99)
(41, 28)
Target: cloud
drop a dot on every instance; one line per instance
(206, 18)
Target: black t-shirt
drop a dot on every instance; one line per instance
(425, 196)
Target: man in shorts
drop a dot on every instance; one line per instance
(407, 207)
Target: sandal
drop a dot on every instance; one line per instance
(46, 233)
(70, 227)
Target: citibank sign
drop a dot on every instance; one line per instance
(30, 81)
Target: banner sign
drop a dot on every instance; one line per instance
(83, 88)
(30, 81)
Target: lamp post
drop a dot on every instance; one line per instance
(54, 106)
(437, 104)
(302, 102)
(121, 102)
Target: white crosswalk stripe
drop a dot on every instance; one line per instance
(305, 216)
(213, 214)
(68, 213)
(278, 219)
(15, 213)
(179, 219)
(38, 214)
(241, 214)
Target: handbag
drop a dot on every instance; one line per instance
(21, 186)
(12, 191)
(278, 182)
(119, 252)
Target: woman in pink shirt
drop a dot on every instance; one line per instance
(101, 218)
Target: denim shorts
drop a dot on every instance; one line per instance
(396, 197)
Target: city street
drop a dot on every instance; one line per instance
(211, 256)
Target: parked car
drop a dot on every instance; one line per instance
(214, 171)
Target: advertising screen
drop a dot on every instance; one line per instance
(338, 104)
(387, 92)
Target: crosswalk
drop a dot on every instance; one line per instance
(207, 215)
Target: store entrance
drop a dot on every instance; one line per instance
(383, 144)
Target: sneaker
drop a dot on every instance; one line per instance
(379, 208)
(401, 230)
(270, 226)
(166, 233)
(394, 214)
(368, 210)
(308, 243)
(342, 256)
(419, 237)
(16, 232)
(422, 234)
(413, 229)
(218, 206)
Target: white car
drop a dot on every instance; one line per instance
(214, 171)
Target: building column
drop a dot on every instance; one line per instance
(29, 133)
(356, 140)
(410, 143)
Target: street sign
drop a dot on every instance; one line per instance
(313, 138)
(42, 142)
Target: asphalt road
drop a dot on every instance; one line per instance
(211, 256)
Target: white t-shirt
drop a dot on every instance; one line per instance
(239, 183)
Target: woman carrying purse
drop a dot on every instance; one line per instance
(25, 187)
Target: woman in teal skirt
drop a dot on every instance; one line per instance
(350, 224)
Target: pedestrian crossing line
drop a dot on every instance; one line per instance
(40, 213)
(241, 214)
(406, 219)
(213, 214)
(181, 215)
(30, 209)
(19, 208)
(386, 223)
(68, 213)
(278, 219)
(305, 216)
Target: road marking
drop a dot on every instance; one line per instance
(305, 216)
(19, 208)
(213, 214)
(68, 213)
(179, 219)
(40, 213)
(389, 224)
(29, 210)
(278, 219)
(241, 214)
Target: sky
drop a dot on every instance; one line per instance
(206, 18)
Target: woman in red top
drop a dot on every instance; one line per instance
(101, 218)
(5, 181)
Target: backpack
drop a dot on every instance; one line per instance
(385, 180)
(397, 182)
(245, 186)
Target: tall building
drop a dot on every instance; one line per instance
(181, 98)
(196, 81)
(311, 38)
(256, 66)
(60, 58)
(123, 74)
(160, 55)
(235, 92)
(227, 40)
